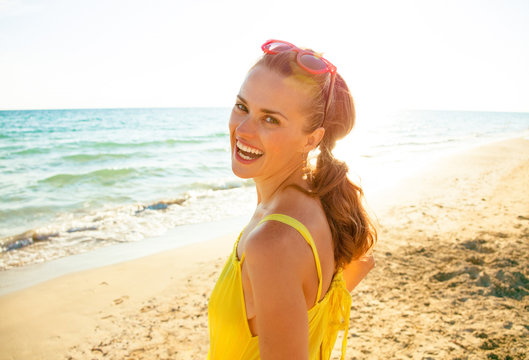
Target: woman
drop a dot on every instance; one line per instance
(284, 291)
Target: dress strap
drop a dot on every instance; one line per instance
(296, 224)
(236, 245)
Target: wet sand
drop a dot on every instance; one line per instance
(451, 281)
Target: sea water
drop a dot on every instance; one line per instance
(74, 180)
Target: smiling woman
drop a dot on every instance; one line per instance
(284, 291)
(276, 135)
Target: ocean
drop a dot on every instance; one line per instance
(75, 180)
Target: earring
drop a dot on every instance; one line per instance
(307, 173)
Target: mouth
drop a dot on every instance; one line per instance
(246, 152)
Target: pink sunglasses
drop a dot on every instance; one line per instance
(306, 59)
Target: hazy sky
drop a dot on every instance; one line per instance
(454, 55)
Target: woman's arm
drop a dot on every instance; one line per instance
(274, 264)
(356, 270)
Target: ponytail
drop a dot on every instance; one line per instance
(352, 230)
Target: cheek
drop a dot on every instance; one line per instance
(284, 147)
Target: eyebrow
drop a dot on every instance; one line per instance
(263, 110)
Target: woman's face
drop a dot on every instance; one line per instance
(266, 126)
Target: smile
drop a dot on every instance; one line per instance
(248, 153)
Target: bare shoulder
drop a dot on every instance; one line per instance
(274, 242)
(307, 210)
(276, 245)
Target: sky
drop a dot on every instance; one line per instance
(446, 55)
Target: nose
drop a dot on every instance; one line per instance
(245, 127)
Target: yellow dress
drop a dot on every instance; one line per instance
(229, 334)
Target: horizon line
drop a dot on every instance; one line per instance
(227, 107)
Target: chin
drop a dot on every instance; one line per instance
(241, 173)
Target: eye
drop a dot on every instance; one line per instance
(241, 107)
(271, 120)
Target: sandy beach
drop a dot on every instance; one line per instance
(451, 281)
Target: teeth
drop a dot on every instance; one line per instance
(248, 149)
(245, 157)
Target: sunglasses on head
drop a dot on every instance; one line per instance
(307, 60)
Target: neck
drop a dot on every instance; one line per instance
(267, 188)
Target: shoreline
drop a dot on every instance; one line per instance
(16, 279)
(418, 167)
(451, 278)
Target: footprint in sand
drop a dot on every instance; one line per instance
(120, 299)
(445, 276)
(476, 260)
(146, 308)
(478, 246)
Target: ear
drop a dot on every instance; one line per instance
(314, 139)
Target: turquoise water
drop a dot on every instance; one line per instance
(61, 160)
(79, 178)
